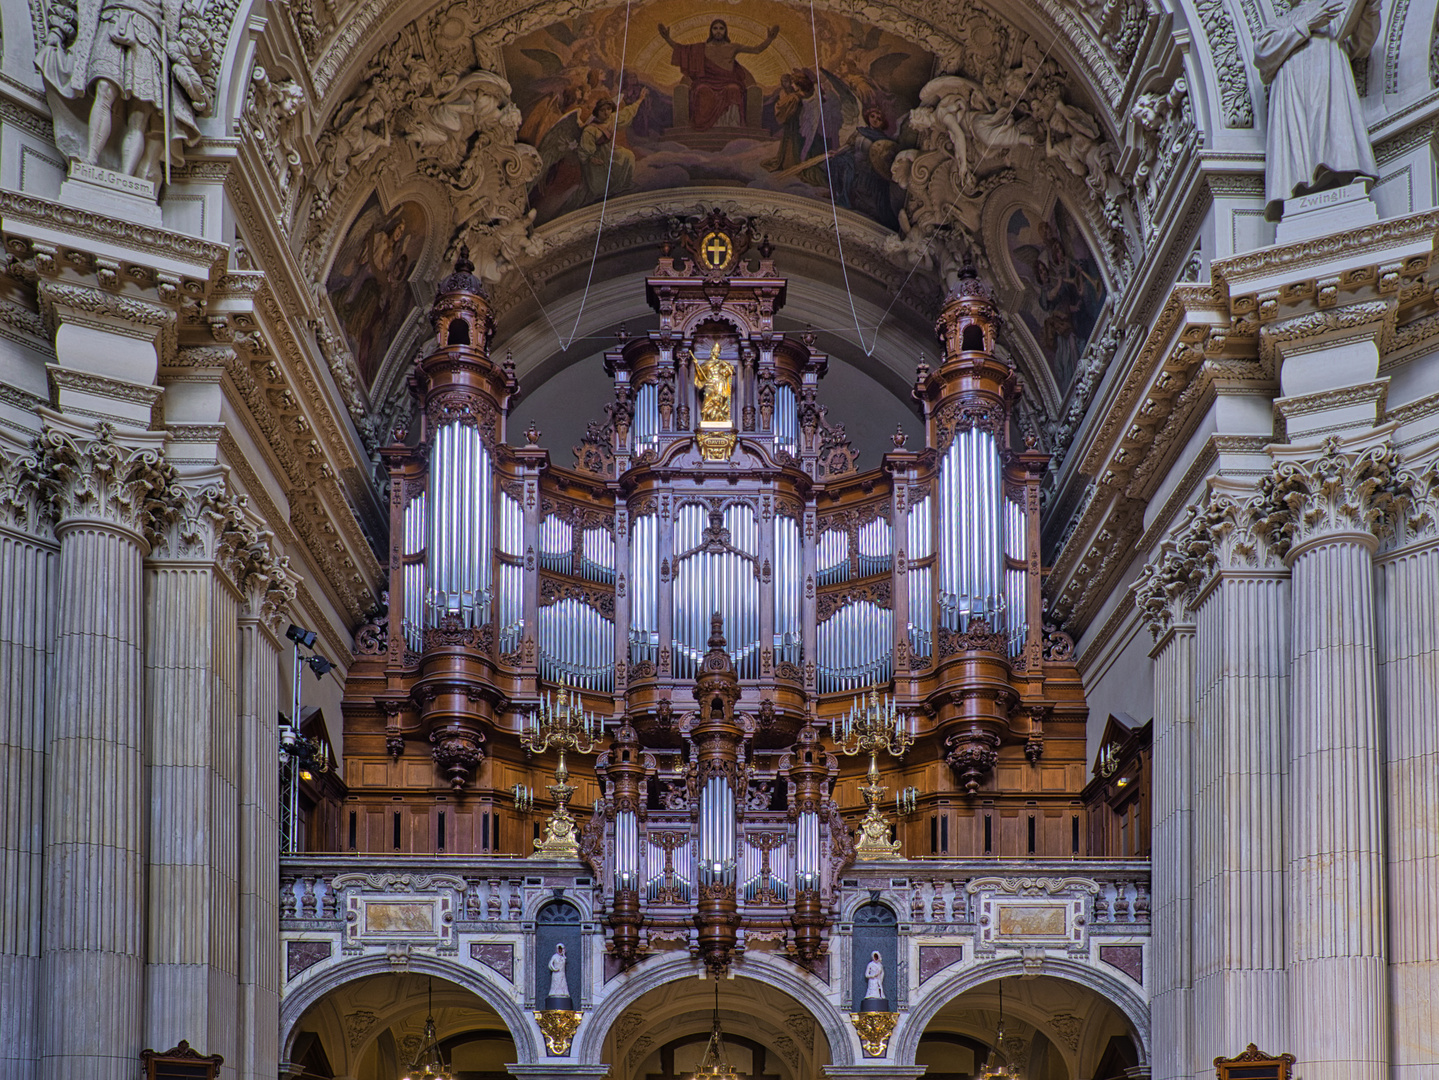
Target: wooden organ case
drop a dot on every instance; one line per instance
(718, 579)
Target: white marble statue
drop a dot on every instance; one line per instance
(1317, 136)
(874, 977)
(559, 983)
(106, 61)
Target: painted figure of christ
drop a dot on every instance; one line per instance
(717, 81)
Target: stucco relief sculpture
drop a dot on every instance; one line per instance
(106, 65)
(1317, 136)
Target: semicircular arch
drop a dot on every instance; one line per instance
(806, 990)
(905, 1042)
(294, 1004)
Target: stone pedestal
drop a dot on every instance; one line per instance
(111, 194)
(1326, 212)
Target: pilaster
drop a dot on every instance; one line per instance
(208, 553)
(27, 635)
(1333, 501)
(1408, 671)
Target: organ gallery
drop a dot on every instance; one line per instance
(772, 541)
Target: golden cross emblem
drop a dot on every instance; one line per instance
(716, 249)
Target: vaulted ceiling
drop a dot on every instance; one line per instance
(878, 147)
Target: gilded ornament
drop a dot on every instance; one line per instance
(874, 1030)
(558, 1026)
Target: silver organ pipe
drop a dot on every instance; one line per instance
(718, 826)
(576, 643)
(655, 872)
(627, 850)
(786, 420)
(414, 613)
(1016, 578)
(806, 859)
(921, 580)
(832, 557)
(645, 429)
(876, 547)
(787, 611)
(597, 555)
(460, 530)
(706, 581)
(644, 629)
(970, 559)
(752, 877)
(509, 584)
(855, 647)
(556, 544)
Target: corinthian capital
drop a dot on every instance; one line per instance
(95, 478)
(1340, 491)
(1168, 583)
(1418, 503)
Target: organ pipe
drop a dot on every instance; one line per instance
(970, 555)
(459, 527)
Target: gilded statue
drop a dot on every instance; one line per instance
(715, 379)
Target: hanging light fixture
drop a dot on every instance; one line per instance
(998, 1066)
(429, 1063)
(714, 1065)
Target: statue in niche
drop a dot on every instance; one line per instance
(715, 379)
(1317, 136)
(120, 55)
(559, 981)
(874, 985)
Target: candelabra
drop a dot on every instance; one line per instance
(563, 724)
(872, 725)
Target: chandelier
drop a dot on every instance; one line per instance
(714, 1065)
(997, 1067)
(429, 1063)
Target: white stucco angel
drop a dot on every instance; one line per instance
(1317, 137)
(109, 61)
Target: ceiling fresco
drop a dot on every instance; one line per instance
(369, 284)
(1063, 288)
(724, 96)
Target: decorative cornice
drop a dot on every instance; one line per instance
(1291, 259)
(204, 255)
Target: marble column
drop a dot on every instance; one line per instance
(106, 496)
(191, 689)
(1408, 604)
(27, 633)
(1336, 916)
(1163, 600)
(268, 593)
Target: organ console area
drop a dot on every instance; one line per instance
(723, 587)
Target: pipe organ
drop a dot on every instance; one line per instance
(718, 578)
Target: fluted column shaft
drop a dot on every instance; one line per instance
(1172, 864)
(191, 675)
(1409, 690)
(1242, 663)
(1336, 858)
(27, 631)
(95, 835)
(259, 851)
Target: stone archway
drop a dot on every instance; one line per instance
(459, 987)
(800, 1010)
(1066, 1005)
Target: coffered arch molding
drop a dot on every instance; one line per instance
(932, 999)
(294, 1003)
(807, 991)
(338, 70)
